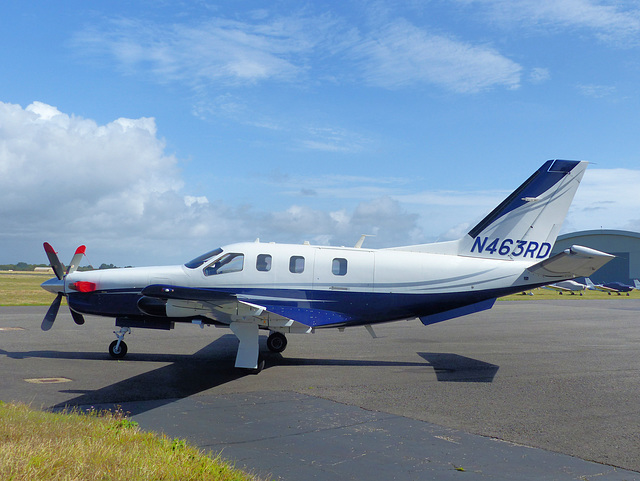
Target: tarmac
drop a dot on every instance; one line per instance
(544, 390)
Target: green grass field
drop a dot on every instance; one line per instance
(44, 446)
(23, 289)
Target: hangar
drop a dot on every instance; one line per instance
(625, 245)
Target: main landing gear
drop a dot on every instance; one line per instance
(118, 348)
(276, 342)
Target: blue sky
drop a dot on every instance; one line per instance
(154, 131)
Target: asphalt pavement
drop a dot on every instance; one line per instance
(528, 390)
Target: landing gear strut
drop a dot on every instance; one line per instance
(118, 348)
(276, 342)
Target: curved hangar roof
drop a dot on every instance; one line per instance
(625, 245)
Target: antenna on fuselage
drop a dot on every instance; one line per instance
(361, 240)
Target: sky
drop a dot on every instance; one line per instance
(154, 131)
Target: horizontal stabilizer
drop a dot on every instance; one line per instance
(576, 261)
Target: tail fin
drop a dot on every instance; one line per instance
(590, 284)
(636, 283)
(525, 225)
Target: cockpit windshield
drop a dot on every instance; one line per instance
(198, 261)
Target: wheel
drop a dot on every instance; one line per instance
(120, 351)
(276, 342)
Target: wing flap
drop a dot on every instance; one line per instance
(576, 261)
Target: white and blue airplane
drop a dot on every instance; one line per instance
(283, 288)
(569, 286)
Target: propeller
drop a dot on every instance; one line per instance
(57, 285)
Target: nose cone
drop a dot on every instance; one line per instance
(53, 285)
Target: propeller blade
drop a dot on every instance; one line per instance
(77, 257)
(77, 317)
(47, 322)
(56, 265)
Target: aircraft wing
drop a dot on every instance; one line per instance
(554, 287)
(602, 288)
(221, 306)
(576, 261)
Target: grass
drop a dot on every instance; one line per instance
(44, 446)
(23, 289)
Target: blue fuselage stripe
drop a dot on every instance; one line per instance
(314, 308)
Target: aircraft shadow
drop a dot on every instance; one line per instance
(188, 374)
(212, 366)
(279, 360)
(451, 367)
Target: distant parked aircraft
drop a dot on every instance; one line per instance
(610, 287)
(567, 286)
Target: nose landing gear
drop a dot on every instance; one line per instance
(118, 348)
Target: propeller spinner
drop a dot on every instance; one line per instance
(56, 286)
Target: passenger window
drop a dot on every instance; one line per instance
(263, 263)
(296, 264)
(224, 265)
(339, 267)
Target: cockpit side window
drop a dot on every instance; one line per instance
(232, 262)
(198, 261)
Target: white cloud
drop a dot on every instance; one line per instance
(67, 177)
(606, 198)
(216, 50)
(383, 217)
(334, 140)
(221, 52)
(617, 21)
(401, 54)
(539, 75)
(68, 180)
(597, 91)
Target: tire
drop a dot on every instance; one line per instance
(276, 342)
(118, 353)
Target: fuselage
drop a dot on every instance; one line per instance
(315, 285)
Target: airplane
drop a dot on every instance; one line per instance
(569, 286)
(285, 288)
(609, 287)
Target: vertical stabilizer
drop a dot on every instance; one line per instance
(525, 225)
